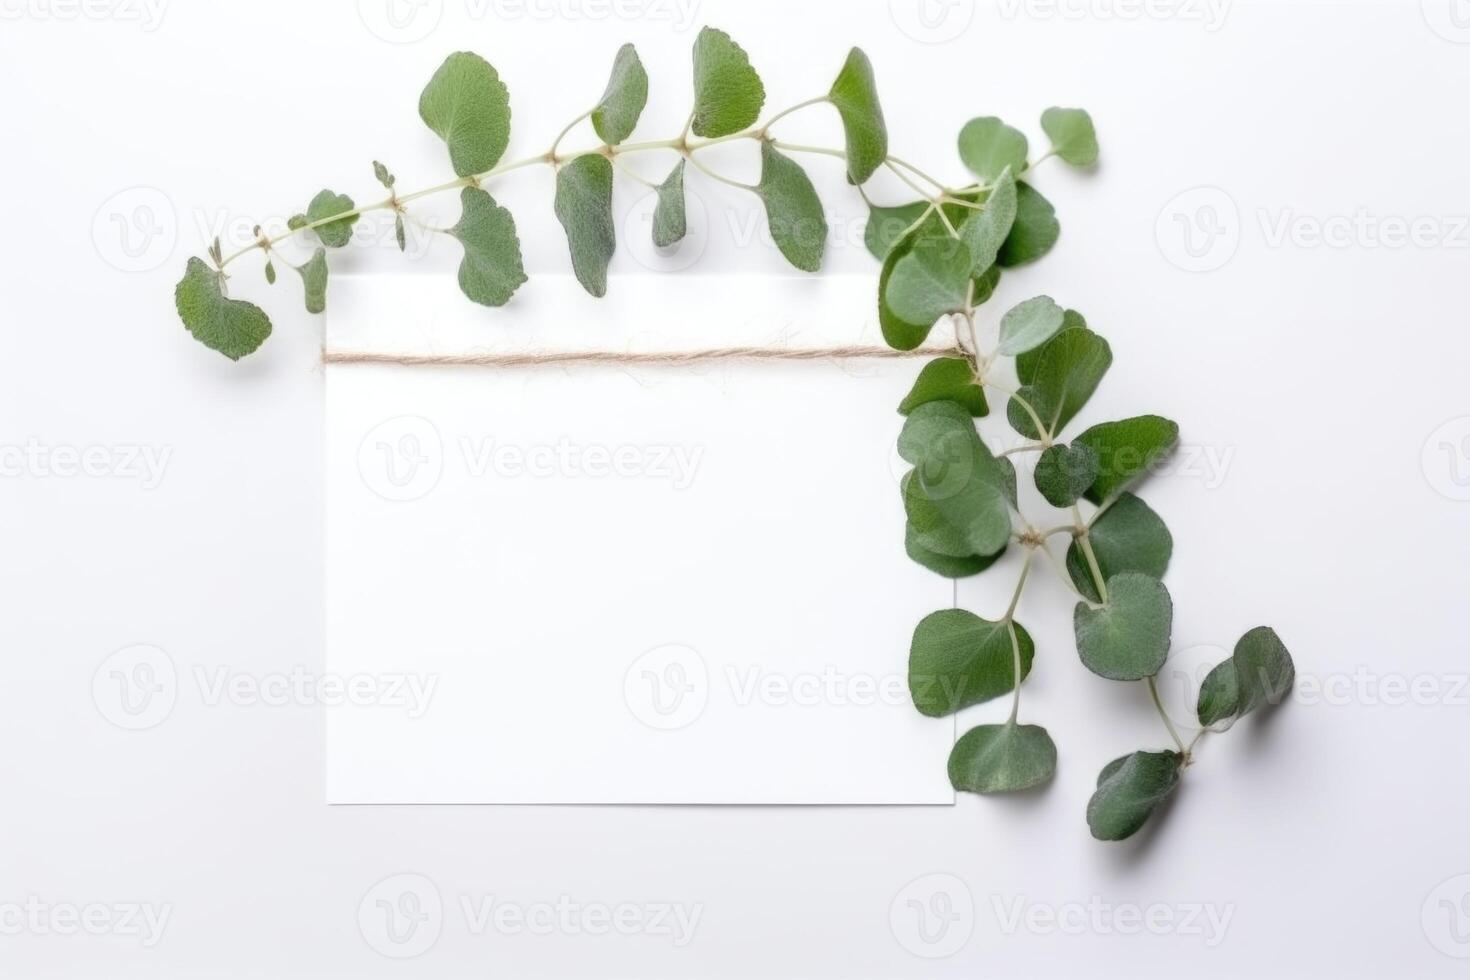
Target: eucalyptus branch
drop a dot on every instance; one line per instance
(943, 254)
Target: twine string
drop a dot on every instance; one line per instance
(667, 358)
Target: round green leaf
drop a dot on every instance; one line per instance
(929, 281)
(947, 379)
(1128, 791)
(1219, 696)
(622, 101)
(314, 278)
(886, 225)
(1064, 472)
(1263, 669)
(1002, 759)
(1128, 638)
(955, 472)
(1128, 537)
(958, 659)
(855, 95)
(793, 210)
(1071, 134)
(946, 565)
(334, 234)
(988, 147)
(1067, 371)
(728, 94)
(491, 270)
(1029, 325)
(985, 231)
(1126, 450)
(231, 326)
(1035, 230)
(669, 221)
(468, 106)
(583, 205)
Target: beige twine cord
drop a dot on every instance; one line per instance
(679, 357)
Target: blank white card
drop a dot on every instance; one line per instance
(613, 584)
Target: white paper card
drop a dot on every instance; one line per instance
(614, 584)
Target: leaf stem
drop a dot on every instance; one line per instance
(720, 177)
(563, 134)
(683, 144)
(786, 112)
(917, 173)
(1010, 620)
(1153, 690)
(1084, 541)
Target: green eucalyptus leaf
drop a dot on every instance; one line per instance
(1072, 136)
(468, 106)
(296, 222)
(1219, 696)
(623, 100)
(856, 97)
(886, 226)
(1066, 373)
(1002, 759)
(491, 270)
(583, 205)
(231, 326)
(989, 147)
(1128, 791)
(1008, 480)
(934, 542)
(1035, 230)
(270, 272)
(1063, 473)
(947, 379)
(1026, 362)
(958, 659)
(334, 234)
(314, 278)
(955, 472)
(931, 280)
(669, 220)
(728, 94)
(1263, 668)
(1127, 639)
(897, 332)
(946, 565)
(400, 233)
(985, 286)
(985, 232)
(1127, 537)
(1028, 325)
(384, 176)
(1126, 450)
(793, 210)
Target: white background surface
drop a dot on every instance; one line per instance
(638, 634)
(1331, 833)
